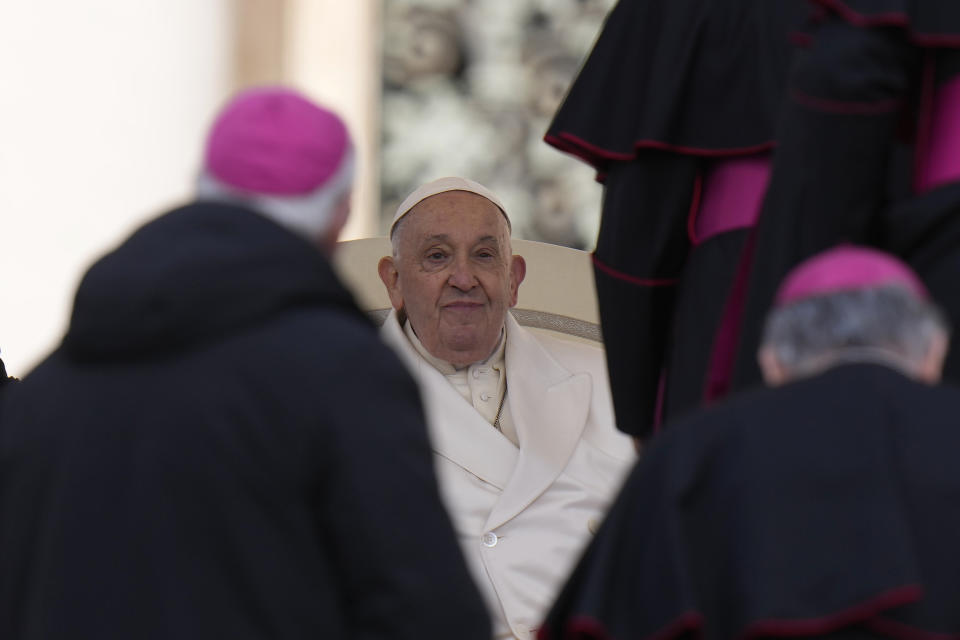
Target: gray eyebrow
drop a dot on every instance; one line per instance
(443, 237)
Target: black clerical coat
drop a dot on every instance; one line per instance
(670, 89)
(830, 505)
(223, 448)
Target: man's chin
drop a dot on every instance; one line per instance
(468, 313)
(465, 349)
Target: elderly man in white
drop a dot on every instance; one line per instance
(522, 425)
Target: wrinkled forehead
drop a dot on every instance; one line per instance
(456, 215)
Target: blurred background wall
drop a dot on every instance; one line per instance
(469, 88)
(104, 105)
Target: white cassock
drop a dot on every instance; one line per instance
(523, 514)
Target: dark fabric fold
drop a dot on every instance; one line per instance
(822, 508)
(934, 23)
(685, 76)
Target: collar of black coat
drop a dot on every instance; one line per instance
(853, 355)
(197, 273)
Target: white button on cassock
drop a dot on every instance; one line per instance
(489, 539)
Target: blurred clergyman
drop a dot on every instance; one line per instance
(521, 423)
(222, 447)
(4, 378)
(823, 506)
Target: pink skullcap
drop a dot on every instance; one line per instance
(847, 268)
(275, 141)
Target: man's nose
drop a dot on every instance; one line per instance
(461, 275)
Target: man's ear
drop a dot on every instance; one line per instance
(518, 271)
(931, 368)
(338, 219)
(391, 280)
(774, 374)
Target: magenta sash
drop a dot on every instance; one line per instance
(938, 160)
(732, 194)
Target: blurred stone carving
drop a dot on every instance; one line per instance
(469, 87)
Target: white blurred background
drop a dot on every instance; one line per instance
(103, 108)
(104, 105)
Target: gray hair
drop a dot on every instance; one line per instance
(887, 324)
(309, 215)
(395, 233)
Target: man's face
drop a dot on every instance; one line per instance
(454, 275)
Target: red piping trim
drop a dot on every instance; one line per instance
(857, 613)
(866, 612)
(688, 621)
(626, 277)
(709, 153)
(902, 631)
(596, 156)
(890, 19)
(593, 628)
(695, 202)
(587, 626)
(573, 150)
(800, 39)
(936, 41)
(841, 107)
(561, 143)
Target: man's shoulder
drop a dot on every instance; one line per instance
(758, 404)
(847, 400)
(573, 353)
(320, 337)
